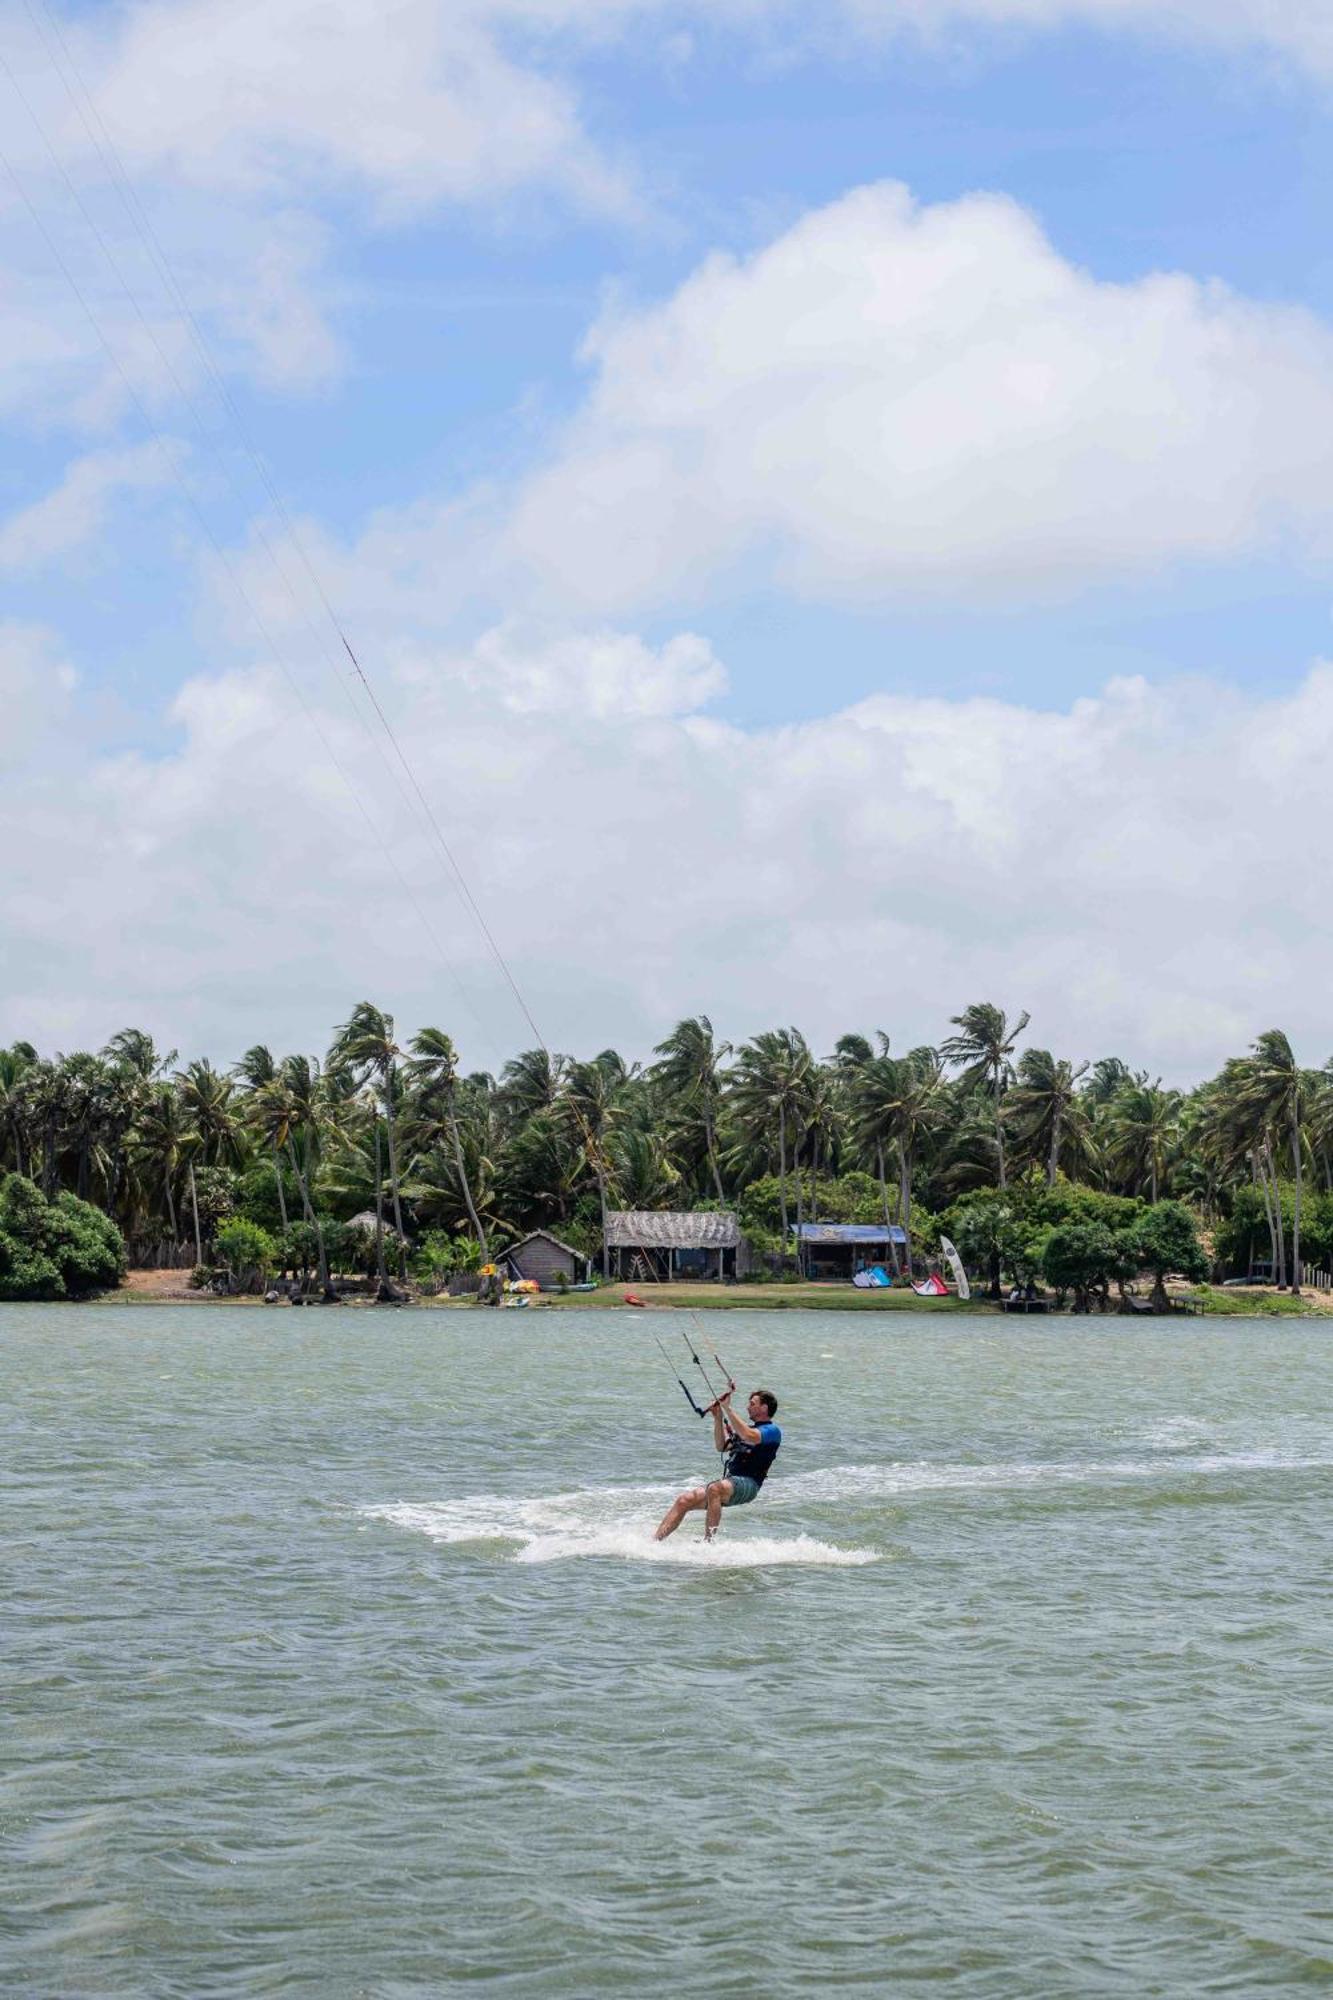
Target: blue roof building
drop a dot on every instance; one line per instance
(838, 1250)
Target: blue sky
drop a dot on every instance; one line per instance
(444, 349)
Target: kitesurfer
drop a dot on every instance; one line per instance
(749, 1450)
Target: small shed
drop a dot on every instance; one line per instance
(663, 1243)
(546, 1259)
(838, 1250)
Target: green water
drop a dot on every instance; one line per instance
(337, 1659)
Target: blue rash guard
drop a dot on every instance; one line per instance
(751, 1461)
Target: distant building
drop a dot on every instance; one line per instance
(841, 1249)
(658, 1244)
(546, 1259)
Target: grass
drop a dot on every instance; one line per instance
(769, 1298)
(1250, 1303)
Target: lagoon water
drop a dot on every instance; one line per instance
(338, 1660)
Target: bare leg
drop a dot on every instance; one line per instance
(716, 1493)
(683, 1504)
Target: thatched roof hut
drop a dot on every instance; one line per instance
(649, 1243)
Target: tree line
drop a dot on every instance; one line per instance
(985, 1135)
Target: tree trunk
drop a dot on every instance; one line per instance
(1053, 1163)
(198, 1238)
(1261, 1182)
(1296, 1208)
(601, 1196)
(800, 1205)
(905, 1201)
(282, 1197)
(380, 1271)
(393, 1175)
(884, 1197)
(314, 1222)
(782, 1172)
(999, 1129)
(710, 1139)
(171, 1210)
(466, 1186)
(1273, 1205)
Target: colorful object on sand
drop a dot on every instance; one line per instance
(933, 1287)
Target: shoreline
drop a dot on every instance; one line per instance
(154, 1288)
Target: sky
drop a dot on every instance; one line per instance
(832, 506)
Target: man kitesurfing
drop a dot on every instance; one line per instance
(749, 1450)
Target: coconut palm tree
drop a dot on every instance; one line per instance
(595, 1103)
(915, 1112)
(768, 1089)
(1046, 1108)
(159, 1146)
(16, 1062)
(982, 1049)
(434, 1072)
(1143, 1132)
(688, 1075)
(292, 1107)
(364, 1047)
(1275, 1092)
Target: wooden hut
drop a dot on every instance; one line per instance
(657, 1245)
(546, 1259)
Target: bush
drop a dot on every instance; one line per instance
(247, 1251)
(54, 1249)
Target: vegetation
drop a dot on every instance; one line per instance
(384, 1157)
(58, 1249)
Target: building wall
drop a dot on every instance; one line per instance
(541, 1260)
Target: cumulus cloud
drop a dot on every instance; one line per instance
(423, 108)
(1122, 867)
(893, 399)
(70, 515)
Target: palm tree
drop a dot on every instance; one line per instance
(1046, 1107)
(256, 1069)
(1274, 1091)
(434, 1071)
(869, 1084)
(206, 1099)
(294, 1105)
(982, 1049)
(594, 1098)
(768, 1087)
(15, 1064)
(365, 1046)
(1143, 1128)
(688, 1074)
(136, 1050)
(915, 1112)
(159, 1145)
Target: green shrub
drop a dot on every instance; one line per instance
(54, 1249)
(247, 1251)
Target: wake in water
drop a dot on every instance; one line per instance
(613, 1521)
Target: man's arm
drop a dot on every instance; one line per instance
(719, 1429)
(737, 1425)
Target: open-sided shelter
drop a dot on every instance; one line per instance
(663, 1243)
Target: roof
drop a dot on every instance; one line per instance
(545, 1236)
(672, 1229)
(850, 1232)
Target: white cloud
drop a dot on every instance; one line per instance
(893, 399)
(36, 683)
(1122, 868)
(411, 110)
(75, 510)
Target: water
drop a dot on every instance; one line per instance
(338, 1659)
